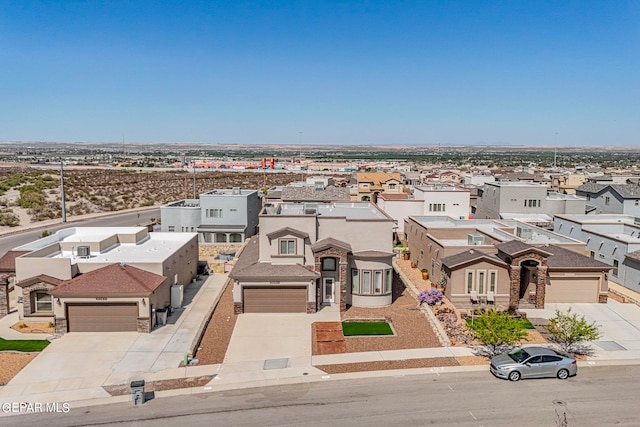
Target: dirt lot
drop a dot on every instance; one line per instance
(33, 328)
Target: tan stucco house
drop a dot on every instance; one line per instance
(102, 278)
(311, 255)
(509, 263)
(372, 184)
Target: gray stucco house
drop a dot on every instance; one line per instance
(611, 198)
(218, 216)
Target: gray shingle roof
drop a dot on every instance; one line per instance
(310, 194)
(628, 191)
(470, 256)
(634, 255)
(514, 247)
(565, 258)
(330, 242)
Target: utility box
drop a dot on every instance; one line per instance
(137, 392)
(177, 296)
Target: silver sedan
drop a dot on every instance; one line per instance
(533, 362)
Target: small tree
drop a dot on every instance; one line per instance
(570, 331)
(497, 330)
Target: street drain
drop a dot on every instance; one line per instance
(560, 403)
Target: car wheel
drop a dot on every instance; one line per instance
(563, 374)
(514, 376)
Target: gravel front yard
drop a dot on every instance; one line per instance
(412, 328)
(11, 363)
(217, 335)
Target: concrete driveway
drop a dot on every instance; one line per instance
(77, 365)
(267, 336)
(619, 324)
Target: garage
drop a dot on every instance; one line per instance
(572, 290)
(275, 300)
(102, 317)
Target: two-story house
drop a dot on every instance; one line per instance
(218, 216)
(372, 184)
(311, 255)
(623, 199)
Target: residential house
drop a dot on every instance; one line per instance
(524, 201)
(509, 262)
(312, 255)
(103, 278)
(621, 199)
(218, 216)
(372, 184)
(612, 239)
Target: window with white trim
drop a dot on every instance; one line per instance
(389, 281)
(43, 302)
(366, 282)
(287, 247)
(616, 264)
(493, 281)
(481, 279)
(469, 281)
(377, 282)
(355, 281)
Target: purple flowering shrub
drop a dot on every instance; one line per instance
(431, 296)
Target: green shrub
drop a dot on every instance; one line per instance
(497, 330)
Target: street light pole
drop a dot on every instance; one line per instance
(64, 210)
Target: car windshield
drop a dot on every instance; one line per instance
(519, 355)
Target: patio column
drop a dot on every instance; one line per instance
(540, 286)
(514, 295)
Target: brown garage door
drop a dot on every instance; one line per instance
(275, 300)
(102, 317)
(584, 289)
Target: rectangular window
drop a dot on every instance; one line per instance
(217, 213)
(615, 268)
(287, 247)
(377, 282)
(172, 228)
(329, 264)
(637, 202)
(43, 302)
(355, 281)
(366, 282)
(481, 277)
(493, 281)
(389, 282)
(607, 200)
(469, 281)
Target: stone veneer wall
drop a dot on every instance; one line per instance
(238, 308)
(341, 255)
(26, 295)
(4, 295)
(144, 324)
(60, 325)
(602, 298)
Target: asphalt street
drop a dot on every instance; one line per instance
(117, 219)
(598, 396)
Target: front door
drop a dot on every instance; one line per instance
(328, 285)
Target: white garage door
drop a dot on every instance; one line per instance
(569, 290)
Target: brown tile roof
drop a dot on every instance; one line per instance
(373, 254)
(377, 178)
(112, 280)
(40, 278)
(248, 267)
(8, 260)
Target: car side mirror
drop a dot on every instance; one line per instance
(527, 363)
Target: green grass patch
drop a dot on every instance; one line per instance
(23, 345)
(350, 329)
(525, 323)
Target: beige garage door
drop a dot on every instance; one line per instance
(275, 300)
(572, 290)
(102, 317)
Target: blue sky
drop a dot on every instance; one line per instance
(316, 72)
